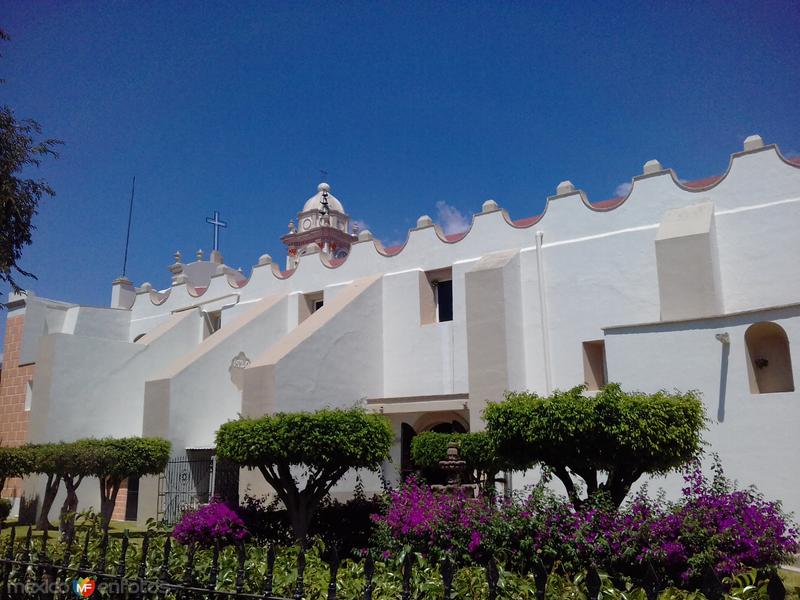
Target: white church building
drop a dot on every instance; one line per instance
(688, 286)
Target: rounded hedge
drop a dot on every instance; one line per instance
(318, 439)
(430, 447)
(655, 432)
(120, 458)
(15, 461)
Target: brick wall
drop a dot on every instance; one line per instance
(13, 388)
(121, 503)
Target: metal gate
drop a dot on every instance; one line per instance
(191, 481)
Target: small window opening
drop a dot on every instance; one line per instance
(213, 321)
(594, 364)
(28, 395)
(769, 362)
(311, 303)
(437, 299)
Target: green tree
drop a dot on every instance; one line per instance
(20, 149)
(45, 462)
(14, 462)
(617, 434)
(303, 455)
(475, 448)
(113, 460)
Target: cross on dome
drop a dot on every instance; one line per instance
(315, 202)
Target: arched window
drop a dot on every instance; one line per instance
(769, 363)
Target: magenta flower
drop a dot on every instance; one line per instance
(212, 523)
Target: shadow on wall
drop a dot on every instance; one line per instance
(725, 339)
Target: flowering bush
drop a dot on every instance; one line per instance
(721, 527)
(213, 523)
(436, 524)
(714, 525)
(540, 526)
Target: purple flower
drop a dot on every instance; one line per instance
(212, 523)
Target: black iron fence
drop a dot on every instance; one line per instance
(26, 571)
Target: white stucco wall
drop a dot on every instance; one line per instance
(588, 269)
(755, 435)
(201, 391)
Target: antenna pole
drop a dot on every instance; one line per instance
(128, 236)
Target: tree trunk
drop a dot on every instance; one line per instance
(562, 474)
(300, 512)
(50, 491)
(70, 505)
(109, 489)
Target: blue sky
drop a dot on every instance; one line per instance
(408, 106)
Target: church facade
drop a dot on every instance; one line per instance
(675, 286)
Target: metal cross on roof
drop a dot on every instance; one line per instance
(217, 225)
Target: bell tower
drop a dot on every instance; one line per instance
(322, 226)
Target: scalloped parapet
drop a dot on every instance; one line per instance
(654, 185)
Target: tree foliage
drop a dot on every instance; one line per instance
(319, 447)
(14, 462)
(622, 435)
(475, 448)
(20, 149)
(113, 460)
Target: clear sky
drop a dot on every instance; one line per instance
(411, 108)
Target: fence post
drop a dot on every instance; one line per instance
(61, 575)
(299, 589)
(8, 567)
(711, 588)
(369, 573)
(212, 579)
(492, 577)
(188, 572)
(539, 578)
(121, 566)
(101, 565)
(593, 583)
(164, 575)
(42, 570)
(142, 572)
(240, 557)
(334, 570)
(408, 564)
(270, 571)
(448, 572)
(775, 588)
(651, 583)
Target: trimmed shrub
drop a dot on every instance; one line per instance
(325, 444)
(15, 461)
(622, 435)
(113, 460)
(475, 448)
